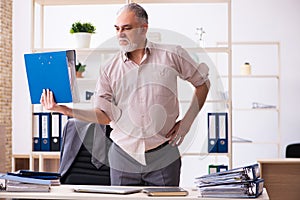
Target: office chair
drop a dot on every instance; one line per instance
(293, 151)
(81, 170)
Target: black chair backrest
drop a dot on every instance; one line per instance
(82, 171)
(293, 151)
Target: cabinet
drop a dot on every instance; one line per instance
(281, 177)
(215, 102)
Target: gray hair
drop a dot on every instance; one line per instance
(138, 10)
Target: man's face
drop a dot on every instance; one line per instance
(130, 32)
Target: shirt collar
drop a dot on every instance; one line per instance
(147, 51)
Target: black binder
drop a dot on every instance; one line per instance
(36, 129)
(55, 131)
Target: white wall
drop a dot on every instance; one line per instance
(21, 104)
(252, 20)
(278, 21)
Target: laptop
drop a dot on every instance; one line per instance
(107, 189)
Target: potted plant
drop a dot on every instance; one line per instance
(82, 32)
(80, 68)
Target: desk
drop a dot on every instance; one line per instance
(282, 178)
(66, 192)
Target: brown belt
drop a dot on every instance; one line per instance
(158, 147)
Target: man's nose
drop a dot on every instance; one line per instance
(121, 33)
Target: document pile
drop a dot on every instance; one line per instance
(29, 181)
(52, 176)
(23, 184)
(243, 182)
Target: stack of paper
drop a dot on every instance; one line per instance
(24, 184)
(235, 183)
(52, 176)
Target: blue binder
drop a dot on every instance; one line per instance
(218, 132)
(223, 133)
(45, 133)
(54, 71)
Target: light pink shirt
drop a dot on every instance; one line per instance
(141, 100)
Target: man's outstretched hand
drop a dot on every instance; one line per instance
(47, 100)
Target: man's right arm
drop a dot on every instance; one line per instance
(92, 115)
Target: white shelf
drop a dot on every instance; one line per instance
(95, 2)
(256, 109)
(209, 50)
(78, 2)
(114, 50)
(252, 76)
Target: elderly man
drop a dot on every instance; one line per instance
(137, 95)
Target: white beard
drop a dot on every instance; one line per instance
(129, 47)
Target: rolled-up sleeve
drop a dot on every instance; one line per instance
(195, 73)
(103, 99)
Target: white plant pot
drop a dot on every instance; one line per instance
(83, 40)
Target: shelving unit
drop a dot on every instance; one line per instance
(214, 50)
(262, 137)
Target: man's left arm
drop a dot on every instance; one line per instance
(182, 127)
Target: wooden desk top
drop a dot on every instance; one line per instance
(66, 192)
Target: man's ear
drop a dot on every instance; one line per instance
(145, 28)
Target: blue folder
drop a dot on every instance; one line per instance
(54, 71)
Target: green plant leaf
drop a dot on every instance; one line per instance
(86, 27)
(80, 67)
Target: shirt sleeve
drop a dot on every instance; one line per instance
(189, 69)
(103, 98)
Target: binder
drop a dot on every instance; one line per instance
(25, 184)
(36, 174)
(239, 182)
(245, 173)
(217, 168)
(55, 131)
(217, 132)
(45, 133)
(244, 189)
(212, 133)
(223, 133)
(36, 143)
(54, 71)
(64, 120)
